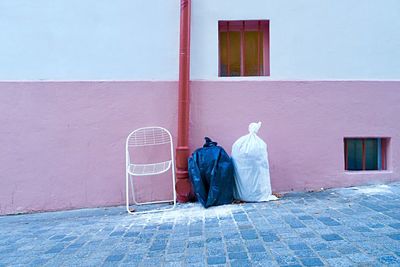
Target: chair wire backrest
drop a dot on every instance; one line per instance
(149, 136)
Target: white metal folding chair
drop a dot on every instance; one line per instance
(142, 137)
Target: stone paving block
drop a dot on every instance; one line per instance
(36, 262)
(340, 262)
(395, 236)
(240, 263)
(255, 248)
(249, 234)
(157, 253)
(260, 256)
(235, 247)
(308, 235)
(216, 260)
(231, 235)
(195, 233)
(117, 233)
(213, 240)
(361, 229)
(177, 244)
(240, 217)
(195, 258)
(237, 255)
(294, 223)
(388, 259)
(331, 237)
(347, 249)
(373, 248)
(328, 254)
(131, 234)
(135, 257)
(245, 226)
(57, 237)
(286, 260)
(376, 225)
(165, 227)
(174, 264)
(307, 253)
(296, 210)
(360, 258)
(55, 249)
(299, 246)
(264, 263)
(215, 245)
(113, 258)
(395, 225)
(69, 238)
(320, 246)
(149, 262)
(373, 206)
(311, 262)
(162, 236)
(328, 221)
(269, 237)
(196, 244)
(216, 251)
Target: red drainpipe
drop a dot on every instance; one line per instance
(183, 185)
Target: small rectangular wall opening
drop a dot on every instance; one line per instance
(243, 48)
(365, 154)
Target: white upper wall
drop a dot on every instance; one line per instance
(139, 39)
(89, 39)
(310, 39)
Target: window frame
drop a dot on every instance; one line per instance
(242, 26)
(382, 162)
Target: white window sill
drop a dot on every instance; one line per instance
(368, 172)
(245, 78)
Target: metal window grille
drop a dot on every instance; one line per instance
(365, 154)
(244, 48)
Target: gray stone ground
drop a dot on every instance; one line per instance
(342, 227)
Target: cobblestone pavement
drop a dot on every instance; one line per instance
(342, 227)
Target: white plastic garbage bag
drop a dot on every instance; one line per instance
(250, 159)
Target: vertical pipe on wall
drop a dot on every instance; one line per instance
(219, 50)
(258, 48)
(228, 48)
(243, 51)
(183, 186)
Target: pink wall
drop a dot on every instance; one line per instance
(62, 143)
(304, 123)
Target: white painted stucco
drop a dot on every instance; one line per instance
(310, 39)
(89, 39)
(139, 39)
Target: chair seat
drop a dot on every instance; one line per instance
(149, 169)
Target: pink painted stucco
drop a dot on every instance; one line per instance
(62, 143)
(304, 123)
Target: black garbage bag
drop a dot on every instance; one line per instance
(211, 174)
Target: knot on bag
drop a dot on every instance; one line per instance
(254, 127)
(209, 142)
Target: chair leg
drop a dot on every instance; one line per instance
(129, 183)
(127, 192)
(133, 191)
